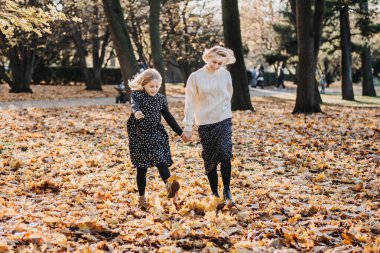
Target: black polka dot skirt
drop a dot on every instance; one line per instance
(216, 140)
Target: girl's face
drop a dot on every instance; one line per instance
(152, 87)
(213, 63)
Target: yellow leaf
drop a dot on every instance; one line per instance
(173, 177)
(4, 246)
(320, 177)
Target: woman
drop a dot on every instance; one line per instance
(208, 101)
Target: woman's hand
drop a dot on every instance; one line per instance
(139, 115)
(186, 136)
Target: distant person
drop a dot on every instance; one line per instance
(280, 77)
(249, 76)
(254, 77)
(141, 65)
(323, 83)
(260, 77)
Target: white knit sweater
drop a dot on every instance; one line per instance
(208, 97)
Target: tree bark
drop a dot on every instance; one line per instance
(96, 78)
(81, 52)
(306, 100)
(346, 61)
(21, 63)
(155, 40)
(368, 85)
(241, 99)
(121, 40)
(319, 15)
(367, 82)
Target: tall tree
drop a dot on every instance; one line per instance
(241, 99)
(155, 40)
(367, 75)
(98, 49)
(346, 57)
(307, 21)
(22, 28)
(121, 40)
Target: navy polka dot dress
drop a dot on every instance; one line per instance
(148, 139)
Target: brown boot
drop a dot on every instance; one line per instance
(228, 198)
(172, 188)
(142, 203)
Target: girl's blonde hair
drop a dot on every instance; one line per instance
(227, 55)
(139, 80)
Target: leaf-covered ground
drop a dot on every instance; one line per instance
(55, 92)
(301, 183)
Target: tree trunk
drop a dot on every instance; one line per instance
(21, 63)
(241, 99)
(367, 82)
(96, 77)
(319, 13)
(368, 85)
(155, 40)
(81, 52)
(306, 100)
(345, 44)
(121, 40)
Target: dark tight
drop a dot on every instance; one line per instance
(141, 176)
(225, 169)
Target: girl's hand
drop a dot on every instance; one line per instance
(139, 115)
(186, 136)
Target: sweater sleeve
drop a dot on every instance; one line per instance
(170, 119)
(230, 87)
(189, 103)
(135, 102)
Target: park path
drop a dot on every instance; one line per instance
(14, 105)
(269, 91)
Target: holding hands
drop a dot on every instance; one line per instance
(139, 115)
(186, 136)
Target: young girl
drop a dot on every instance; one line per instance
(208, 99)
(148, 140)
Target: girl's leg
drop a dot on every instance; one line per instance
(141, 180)
(172, 187)
(164, 171)
(213, 180)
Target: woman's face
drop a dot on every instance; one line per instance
(152, 87)
(213, 63)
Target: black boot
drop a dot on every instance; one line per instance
(228, 197)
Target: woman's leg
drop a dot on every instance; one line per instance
(226, 176)
(213, 180)
(226, 173)
(141, 180)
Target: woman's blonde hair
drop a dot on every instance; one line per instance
(227, 55)
(139, 80)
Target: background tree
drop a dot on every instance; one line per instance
(188, 28)
(121, 40)
(155, 39)
(22, 32)
(284, 30)
(307, 20)
(91, 37)
(241, 99)
(258, 18)
(366, 27)
(346, 65)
